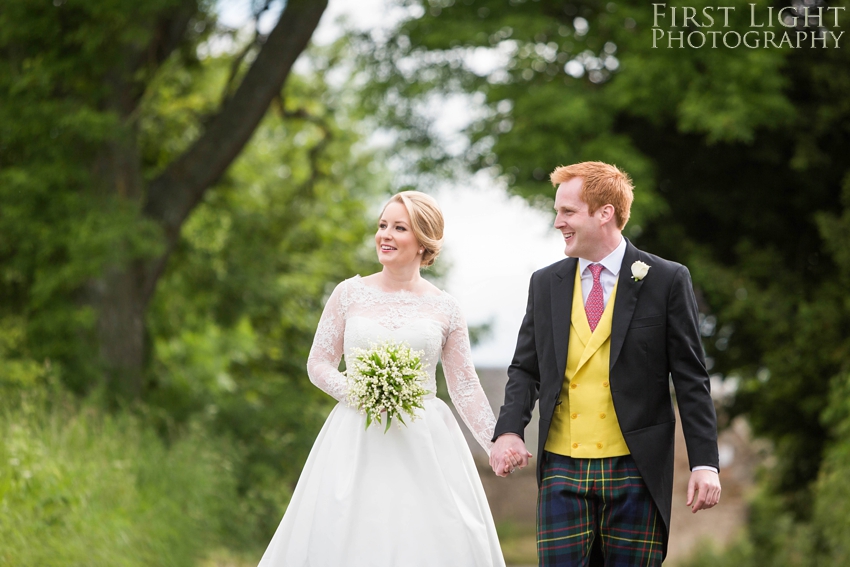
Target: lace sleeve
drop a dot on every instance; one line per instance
(462, 381)
(326, 352)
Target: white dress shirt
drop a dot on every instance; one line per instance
(608, 278)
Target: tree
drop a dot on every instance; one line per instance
(735, 154)
(229, 324)
(89, 225)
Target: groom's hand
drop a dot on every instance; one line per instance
(508, 452)
(703, 490)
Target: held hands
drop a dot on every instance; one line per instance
(508, 454)
(703, 490)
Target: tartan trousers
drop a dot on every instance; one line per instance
(581, 499)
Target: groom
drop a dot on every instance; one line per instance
(603, 332)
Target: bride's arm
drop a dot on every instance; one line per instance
(326, 352)
(462, 381)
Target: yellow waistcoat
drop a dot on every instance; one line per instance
(585, 425)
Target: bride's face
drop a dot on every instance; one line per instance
(395, 241)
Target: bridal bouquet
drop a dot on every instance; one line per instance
(386, 382)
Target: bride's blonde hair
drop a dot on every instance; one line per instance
(426, 221)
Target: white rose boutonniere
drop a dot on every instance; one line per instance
(639, 270)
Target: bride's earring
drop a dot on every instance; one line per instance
(421, 251)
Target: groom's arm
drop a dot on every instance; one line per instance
(520, 396)
(686, 362)
(690, 378)
(523, 383)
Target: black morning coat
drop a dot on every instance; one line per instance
(654, 336)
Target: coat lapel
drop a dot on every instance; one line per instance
(563, 282)
(625, 302)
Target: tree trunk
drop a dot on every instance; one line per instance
(122, 294)
(120, 330)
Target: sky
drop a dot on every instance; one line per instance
(493, 242)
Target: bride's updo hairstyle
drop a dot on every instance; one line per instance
(426, 221)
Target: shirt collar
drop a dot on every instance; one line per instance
(611, 262)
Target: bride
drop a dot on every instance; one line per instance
(410, 497)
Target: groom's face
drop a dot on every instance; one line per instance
(581, 230)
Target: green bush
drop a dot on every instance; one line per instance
(775, 537)
(78, 487)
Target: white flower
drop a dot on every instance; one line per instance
(386, 381)
(639, 270)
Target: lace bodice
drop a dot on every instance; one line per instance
(358, 315)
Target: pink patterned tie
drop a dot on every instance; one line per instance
(595, 300)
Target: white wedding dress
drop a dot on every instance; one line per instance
(407, 498)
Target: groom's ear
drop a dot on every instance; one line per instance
(606, 213)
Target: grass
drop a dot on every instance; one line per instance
(229, 558)
(519, 543)
(81, 488)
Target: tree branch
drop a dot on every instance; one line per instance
(316, 151)
(170, 32)
(179, 189)
(257, 41)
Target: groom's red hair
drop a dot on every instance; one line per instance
(603, 184)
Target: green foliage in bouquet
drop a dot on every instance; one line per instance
(386, 382)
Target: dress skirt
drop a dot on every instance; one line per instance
(410, 497)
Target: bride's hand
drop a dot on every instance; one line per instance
(511, 461)
(508, 453)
